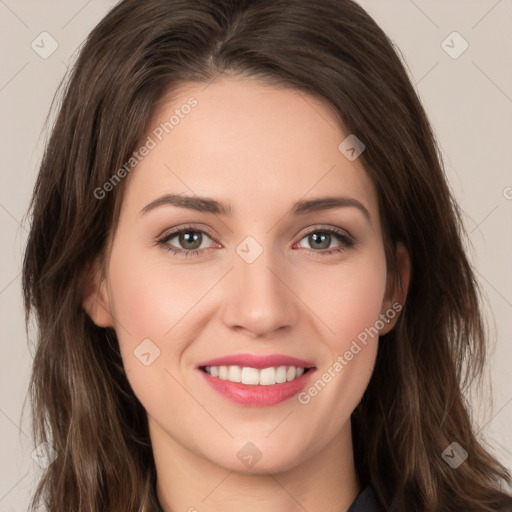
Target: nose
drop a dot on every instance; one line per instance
(259, 300)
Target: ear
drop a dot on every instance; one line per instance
(95, 298)
(396, 289)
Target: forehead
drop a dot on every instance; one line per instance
(247, 144)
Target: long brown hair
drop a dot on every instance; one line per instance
(414, 406)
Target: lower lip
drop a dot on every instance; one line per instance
(257, 395)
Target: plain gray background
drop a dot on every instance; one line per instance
(467, 95)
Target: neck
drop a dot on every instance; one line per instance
(186, 481)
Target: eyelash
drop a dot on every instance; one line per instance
(346, 241)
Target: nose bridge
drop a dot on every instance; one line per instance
(258, 300)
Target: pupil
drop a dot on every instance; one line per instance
(190, 237)
(322, 238)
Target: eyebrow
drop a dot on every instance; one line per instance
(301, 207)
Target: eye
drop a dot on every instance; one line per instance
(322, 238)
(187, 241)
(190, 241)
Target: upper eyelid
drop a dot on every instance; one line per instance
(333, 229)
(174, 232)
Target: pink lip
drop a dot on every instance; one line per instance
(256, 395)
(256, 361)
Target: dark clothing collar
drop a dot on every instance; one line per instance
(366, 501)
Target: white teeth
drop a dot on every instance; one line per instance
(267, 376)
(291, 373)
(281, 374)
(250, 376)
(223, 372)
(235, 374)
(253, 376)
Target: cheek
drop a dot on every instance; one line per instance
(146, 303)
(348, 299)
(150, 297)
(350, 306)
(147, 307)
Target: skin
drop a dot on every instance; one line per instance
(259, 149)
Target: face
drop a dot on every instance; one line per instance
(261, 276)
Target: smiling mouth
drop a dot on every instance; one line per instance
(254, 376)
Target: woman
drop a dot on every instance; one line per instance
(248, 273)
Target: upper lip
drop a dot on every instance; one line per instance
(257, 361)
